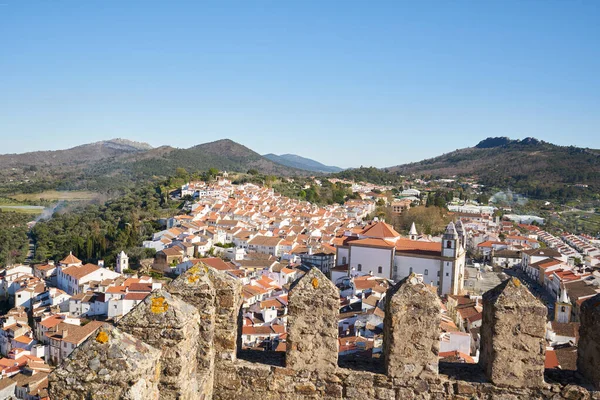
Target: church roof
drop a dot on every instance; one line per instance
(419, 247)
(380, 230)
(373, 242)
(71, 259)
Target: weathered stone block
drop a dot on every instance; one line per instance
(168, 323)
(312, 341)
(588, 351)
(228, 323)
(110, 364)
(196, 287)
(513, 333)
(411, 338)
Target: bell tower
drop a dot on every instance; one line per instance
(563, 307)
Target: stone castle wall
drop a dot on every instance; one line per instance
(182, 343)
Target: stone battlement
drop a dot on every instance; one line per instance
(182, 343)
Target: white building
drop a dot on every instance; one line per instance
(122, 262)
(380, 251)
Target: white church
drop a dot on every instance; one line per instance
(380, 251)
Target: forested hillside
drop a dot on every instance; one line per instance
(13, 237)
(101, 231)
(529, 166)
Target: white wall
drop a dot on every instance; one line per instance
(419, 265)
(370, 259)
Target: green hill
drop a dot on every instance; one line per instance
(530, 166)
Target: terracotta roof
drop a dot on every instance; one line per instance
(52, 321)
(217, 263)
(380, 230)
(551, 360)
(140, 287)
(373, 242)
(71, 259)
(77, 334)
(456, 356)
(136, 296)
(23, 339)
(256, 330)
(116, 289)
(79, 272)
(420, 247)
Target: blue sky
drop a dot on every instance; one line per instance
(348, 83)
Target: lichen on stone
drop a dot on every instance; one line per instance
(102, 337)
(159, 305)
(315, 282)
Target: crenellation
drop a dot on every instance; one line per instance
(168, 323)
(513, 336)
(312, 372)
(588, 352)
(411, 330)
(110, 364)
(312, 323)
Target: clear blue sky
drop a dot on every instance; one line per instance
(347, 82)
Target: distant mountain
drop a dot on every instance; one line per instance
(87, 153)
(225, 155)
(295, 161)
(530, 165)
(116, 163)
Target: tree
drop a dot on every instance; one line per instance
(181, 173)
(212, 173)
(429, 220)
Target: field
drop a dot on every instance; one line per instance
(21, 209)
(54, 195)
(578, 222)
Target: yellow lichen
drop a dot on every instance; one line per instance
(195, 269)
(159, 305)
(102, 337)
(193, 278)
(315, 282)
(516, 282)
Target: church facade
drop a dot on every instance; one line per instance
(381, 251)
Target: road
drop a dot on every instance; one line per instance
(536, 289)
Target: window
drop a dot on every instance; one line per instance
(65, 345)
(410, 270)
(395, 268)
(379, 270)
(438, 274)
(562, 309)
(360, 267)
(447, 274)
(426, 272)
(448, 244)
(343, 260)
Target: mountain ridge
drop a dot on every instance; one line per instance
(296, 161)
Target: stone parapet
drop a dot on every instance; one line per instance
(312, 332)
(181, 342)
(588, 348)
(513, 330)
(411, 340)
(109, 365)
